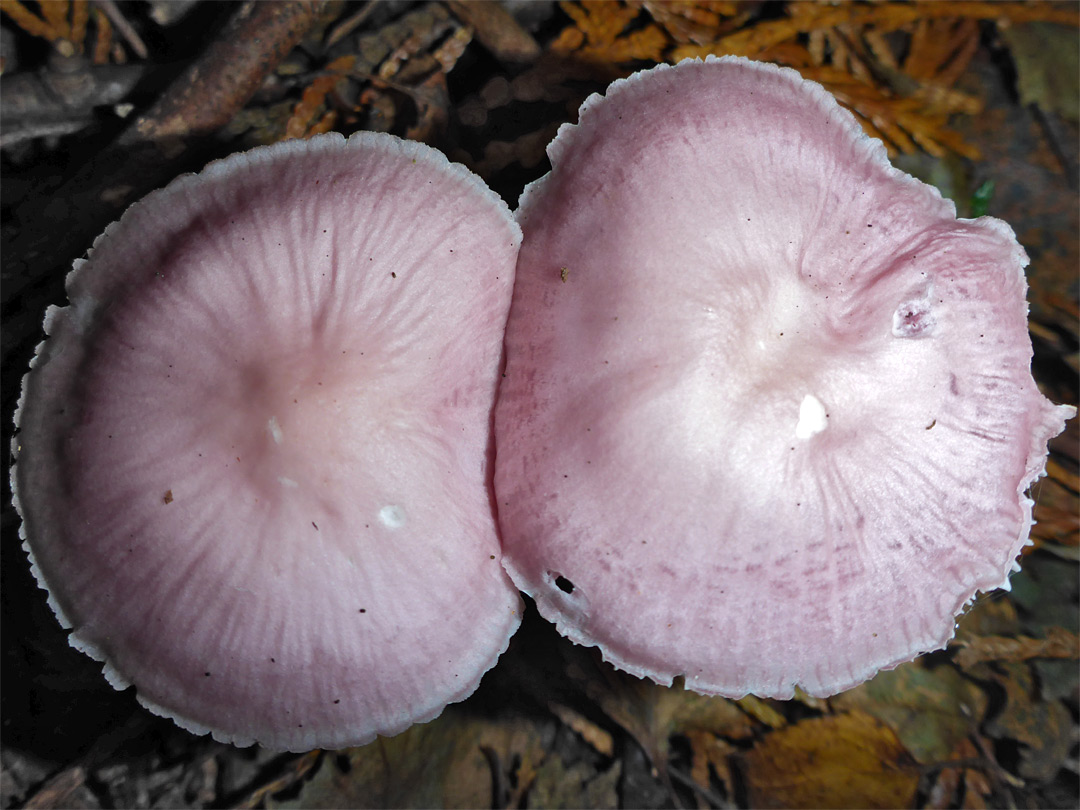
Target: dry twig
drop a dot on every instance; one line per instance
(210, 92)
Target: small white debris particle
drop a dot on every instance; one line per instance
(392, 516)
(812, 418)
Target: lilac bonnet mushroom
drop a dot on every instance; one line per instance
(768, 418)
(254, 452)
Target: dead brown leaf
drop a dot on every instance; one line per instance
(457, 760)
(850, 760)
(960, 785)
(989, 616)
(557, 785)
(976, 791)
(1059, 643)
(945, 790)
(1042, 727)
(930, 711)
(652, 714)
(709, 751)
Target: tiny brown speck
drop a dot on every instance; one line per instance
(167, 498)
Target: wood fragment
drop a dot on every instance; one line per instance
(448, 54)
(226, 76)
(51, 102)
(419, 39)
(206, 786)
(1059, 643)
(59, 791)
(346, 27)
(497, 30)
(127, 31)
(601, 741)
(298, 769)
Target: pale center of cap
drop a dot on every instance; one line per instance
(812, 419)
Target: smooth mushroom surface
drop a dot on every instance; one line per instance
(254, 452)
(767, 418)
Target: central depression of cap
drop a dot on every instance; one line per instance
(254, 453)
(768, 416)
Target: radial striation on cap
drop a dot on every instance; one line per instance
(254, 452)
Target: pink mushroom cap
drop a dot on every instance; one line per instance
(768, 418)
(254, 453)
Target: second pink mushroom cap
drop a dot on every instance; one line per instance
(768, 418)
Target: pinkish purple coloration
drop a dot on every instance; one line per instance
(768, 418)
(254, 453)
